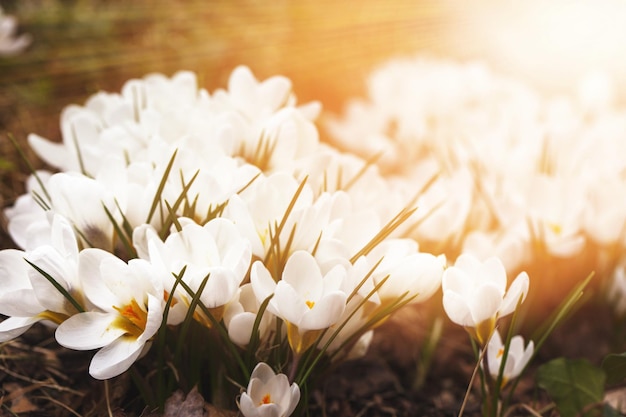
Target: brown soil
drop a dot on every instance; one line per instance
(37, 377)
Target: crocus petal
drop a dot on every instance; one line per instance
(55, 154)
(457, 280)
(294, 393)
(13, 270)
(240, 328)
(468, 263)
(263, 372)
(457, 309)
(15, 326)
(155, 318)
(325, 313)
(492, 270)
(302, 273)
(220, 288)
(94, 286)
(20, 303)
(247, 406)
(288, 303)
(485, 304)
(115, 358)
(90, 330)
(518, 288)
(262, 282)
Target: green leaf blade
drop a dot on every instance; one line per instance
(615, 367)
(574, 385)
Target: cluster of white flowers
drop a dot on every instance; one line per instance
(504, 170)
(170, 202)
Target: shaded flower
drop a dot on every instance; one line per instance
(475, 295)
(269, 394)
(10, 44)
(17, 299)
(216, 250)
(27, 296)
(516, 360)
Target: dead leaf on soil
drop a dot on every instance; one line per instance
(193, 405)
(616, 398)
(17, 398)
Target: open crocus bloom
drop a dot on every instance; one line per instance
(215, 250)
(306, 300)
(516, 360)
(129, 299)
(269, 394)
(475, 295)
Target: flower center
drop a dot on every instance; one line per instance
(310, 304)
(556, 228)
(132, 318)
(500, 353)
(267, 399)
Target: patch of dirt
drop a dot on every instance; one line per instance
(37, 377)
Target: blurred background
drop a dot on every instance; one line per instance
(327, 48)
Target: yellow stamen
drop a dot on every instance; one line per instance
(500, 353)
(267, 399)
(310, 304)
(132, 318)
(556, 228)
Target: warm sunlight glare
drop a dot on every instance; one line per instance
(556, 43)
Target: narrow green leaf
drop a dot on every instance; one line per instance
(159, 192)
(217, 325)
(560, 313)
(81, 163)
(171, 211)
(573, 384)
(31, 168)
(255, 339)
(121, 234)
(58, 287)
(392, 225)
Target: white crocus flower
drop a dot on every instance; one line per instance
(216, 250)
(80, 199)
(10, 44)
(261, 207)
(28, 296)
(516, 360)
(17, 299)
(269, 394)
(306, 300)
(241, 314)
(407, 271)
(129, 301)
(475, 294)
(253, 99)
(616, 292)
(555, 210)
(27, 220)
